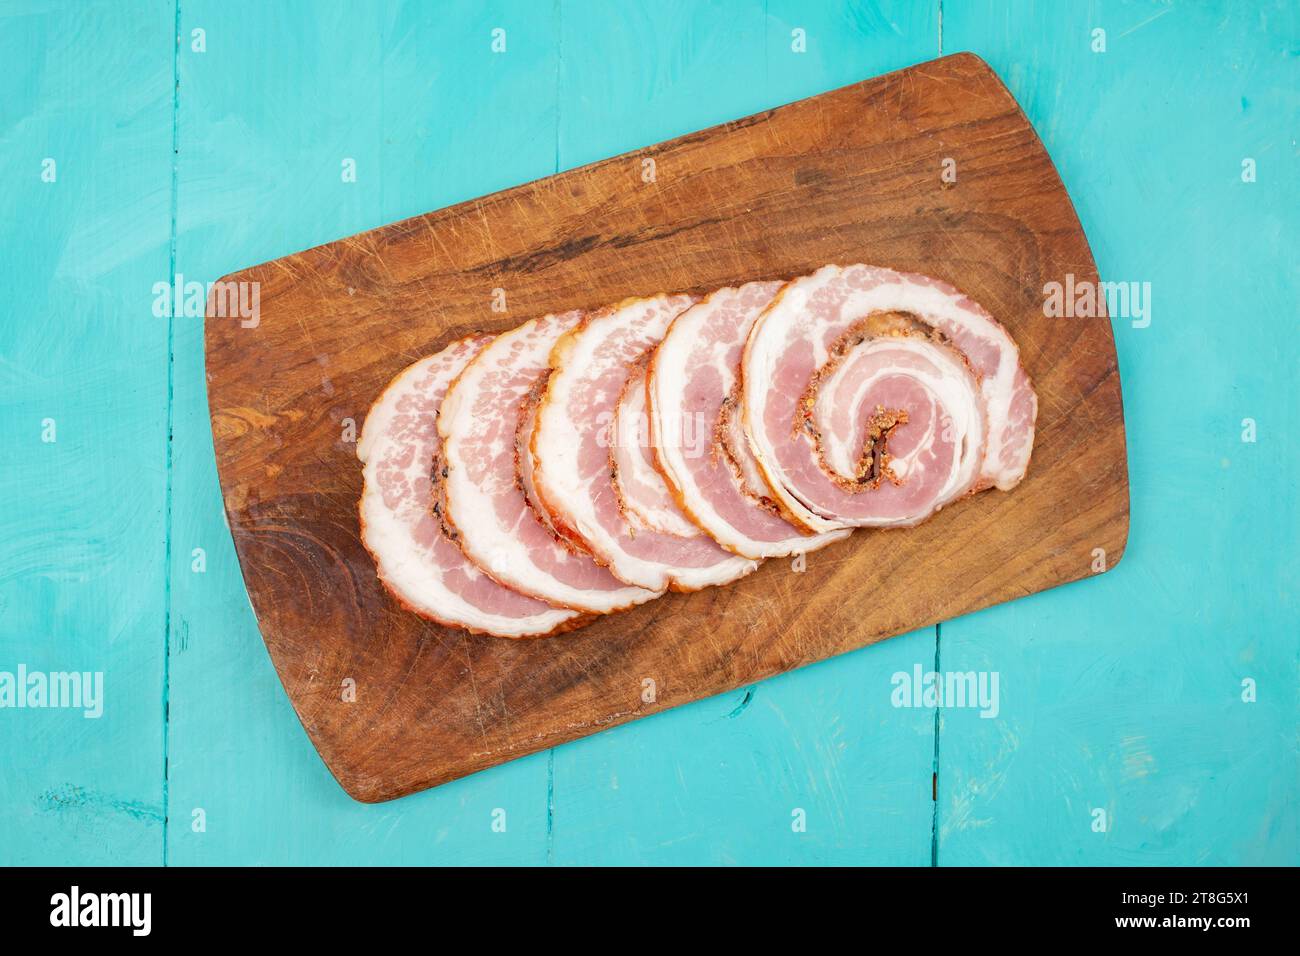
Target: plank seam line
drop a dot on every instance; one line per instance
(550, 807)
(934, 792)
(171, 404)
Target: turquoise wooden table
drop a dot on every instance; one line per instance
(1148, 716)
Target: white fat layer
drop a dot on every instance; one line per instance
(738, 444)
(526, 468)
(997, 389)
(405, 566)
(471, 505)
(666, 390)
(952, 388)
(556, 454)
(787, 321)
(645, 491)
(773, 328)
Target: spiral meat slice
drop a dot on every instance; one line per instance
(484, 493)
(693, 391)
(424, 569)
(873, 398)
(577, 456)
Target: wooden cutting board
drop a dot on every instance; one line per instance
(848, 176)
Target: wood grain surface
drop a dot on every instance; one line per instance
(851, 175)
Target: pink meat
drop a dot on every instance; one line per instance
(648, 501)
(811, 384)
(697, 428)
(932, 459)
(484, 492)
(571, 448)
(417, 562)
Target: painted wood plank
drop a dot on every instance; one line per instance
(1125, 695)
(814, 767)
(720, 781)
(83, 361)
(416, 97)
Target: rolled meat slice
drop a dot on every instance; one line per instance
(694, 390)
(483, 491)
(647, 500)
(873, 398)
(576, 456)
(425, 570)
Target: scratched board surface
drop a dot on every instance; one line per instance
(1123, 693)
(847, 176)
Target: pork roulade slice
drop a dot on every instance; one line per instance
(695, 422)
(576, 456)
(417, 562)
(873, 398)
(484, 496)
